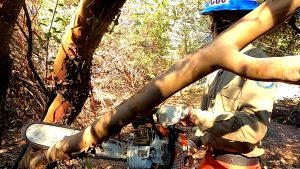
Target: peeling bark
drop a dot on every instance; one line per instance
(221, 53)
(74, 57)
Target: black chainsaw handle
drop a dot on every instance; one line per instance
(171, 146)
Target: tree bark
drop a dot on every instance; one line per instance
(74, 57)
(223, 53)
(74, 60)
(9, 11)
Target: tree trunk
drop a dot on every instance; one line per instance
(74, 58)
(223, 53)
(9, 11)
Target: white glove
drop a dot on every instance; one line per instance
(170, 115)
(205, 119)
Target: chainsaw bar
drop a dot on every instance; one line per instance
(44, 135)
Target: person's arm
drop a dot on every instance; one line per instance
(225, 49)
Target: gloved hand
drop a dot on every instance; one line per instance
(205, 119)
(170, 115)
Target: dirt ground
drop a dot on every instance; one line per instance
(282, 146)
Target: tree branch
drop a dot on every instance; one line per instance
(23, 32)
(29, 52)
(48, 37)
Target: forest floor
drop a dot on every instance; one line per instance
(282, 145)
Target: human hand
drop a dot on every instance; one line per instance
(170, 115)
(195, 116)
(206, 119)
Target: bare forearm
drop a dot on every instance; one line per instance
(284, 69)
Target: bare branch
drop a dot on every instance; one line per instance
(30, 49)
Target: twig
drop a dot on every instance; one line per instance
(29, 52)
(48, 38)
(23, 32)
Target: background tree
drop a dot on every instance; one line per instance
(9, 11)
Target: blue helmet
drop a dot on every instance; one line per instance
(222, 5)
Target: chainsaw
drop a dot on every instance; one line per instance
(149, 144)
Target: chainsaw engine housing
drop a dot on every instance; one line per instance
(147, 150)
